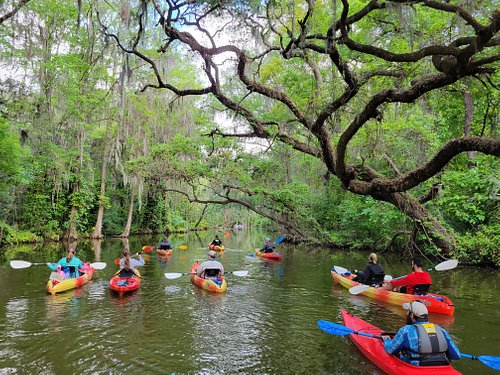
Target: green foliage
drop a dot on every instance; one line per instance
(469, 198)
(10, 235)
(480, 247)
(10, 155)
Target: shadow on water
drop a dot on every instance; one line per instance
(264, 323)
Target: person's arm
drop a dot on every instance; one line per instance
(52, 266)
(400, 282)
(398, 343)
(122, 263)
(452, 352)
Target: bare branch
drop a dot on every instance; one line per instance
(14, 10)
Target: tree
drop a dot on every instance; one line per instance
(356, 61)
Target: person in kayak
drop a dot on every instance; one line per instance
(70, 264)
(268, 246)
(216, 241)
(373, 273)
(164, 245)
(128, 264)
(419, 342)
(211, 268)
(417, 282)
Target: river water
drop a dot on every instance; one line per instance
(265, 323)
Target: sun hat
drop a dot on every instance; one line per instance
(417, 308)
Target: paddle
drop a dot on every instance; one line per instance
(488, 360)
(443, 266)
(20, 264)
(340, 330)
(363, 287)
(117, 260)
(176, 275)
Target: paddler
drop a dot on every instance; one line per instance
(211, 268)
(70, 264)
(419, 342)
(417, 282)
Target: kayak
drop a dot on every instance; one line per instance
(121, 285)
(164, 252)
(218, 286)
(374, 350)
(147, 249)
(435, 303)
(274, 255)
(54, 286)
(216, 248)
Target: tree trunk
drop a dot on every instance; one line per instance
(72, 233)
(97, 233)
(126, 231)
(96, 244)
(469, 115)
(424, 220)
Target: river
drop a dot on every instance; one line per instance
(264, 324)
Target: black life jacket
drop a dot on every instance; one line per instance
(432, 345)
(211, 272)
(377, 274)
(126, 273)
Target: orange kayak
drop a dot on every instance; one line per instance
(219, 286)
(164, 252)
(435, 303)
(216, 248)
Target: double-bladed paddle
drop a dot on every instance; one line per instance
(20, 264)
(340, 330)
(443, 266)
(176, 275)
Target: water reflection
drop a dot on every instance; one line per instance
(264, 323)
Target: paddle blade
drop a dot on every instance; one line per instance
(358, 289)
(98, 265)
(19, 264)
(173, 275)
(183, 247)
(488, 360)
(280, 239)
(334, 328)
(239, 273)
(446, 265)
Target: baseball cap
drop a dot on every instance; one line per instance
(212, 253)
(417, 308)
(268, 239)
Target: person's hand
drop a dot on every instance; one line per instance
(385, 337)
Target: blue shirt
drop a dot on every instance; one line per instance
(406, 340)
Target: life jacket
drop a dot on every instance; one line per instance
(432, 345)
(377, 274)
(70, 271)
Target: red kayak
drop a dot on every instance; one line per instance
(374, 350)
(122, 285)
(274, 255)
